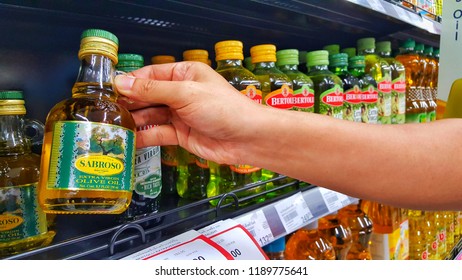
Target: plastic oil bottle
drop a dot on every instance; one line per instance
(368, 86)
(416, 111)
(308, 244)
(88, 153)
(148, 177)
(448, 216)
(277, 92)
(418, 245)
(432, 235)
(338, 233)
(361, 231)
(228, 178)
(193, 171)
(328, 87)
(23, 222)
(419, 50)
(380, 70)
(338, 64)
(398, 83)
(428, 82)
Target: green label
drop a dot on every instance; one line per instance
(416, 117)
(20, 214)
(148, 180)
(91, 156)
(305, 96)
(331, 102)
(398, 100)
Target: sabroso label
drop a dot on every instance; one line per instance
(9, 222)
(99, 165)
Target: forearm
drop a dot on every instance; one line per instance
(402, 170)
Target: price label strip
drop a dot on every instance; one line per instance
(293, 212)
(257, 225)
(376, 5)
(334, 200)
(234, 238)
(190, 245)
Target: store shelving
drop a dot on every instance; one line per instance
(39, 56)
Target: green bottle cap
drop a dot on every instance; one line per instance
(428, 50)
(100, 33)
(408, 44)
(366, 43)
(332, 49)
(11, 94)
(349, 51)
(320, 57)
(419, 47)
(383, 46)
(287, 57)
(357, 62)
(338, 60)
(130, 60)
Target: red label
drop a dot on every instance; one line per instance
(434, 245)
(334, 98)
(384, 86)
(284, 98)
(243, 168)
(424, 255)
(253, 93)
(370, 96)
(353, 95)
(399, 86)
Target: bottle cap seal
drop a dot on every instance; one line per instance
(230, 49)
(287, 57)
(315, 58)
(263, 53)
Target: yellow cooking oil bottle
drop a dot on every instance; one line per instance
(398, 83)
(148, 178)
(88, 152)
(361, 231)
(23, 224)
(338, 232)
(419, 248)
(230, 178)
(433, 238)
(277, 92)
(457, 226)
(328, 87)
(416, 109)
(193, 171)
(448, 217)
(428, 82)
(307, 243)
(380, 70)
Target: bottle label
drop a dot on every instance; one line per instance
(369, 112)
(169, 155)
(284, 98)
(243, 168)
(148, 180)
(332, 102)
(253, 93)
(20, 215)
(91, 156)
(431, 116)
(398, 100)
(303, 99)
(352, 105)
(384, 101)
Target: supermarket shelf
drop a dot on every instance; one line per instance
(101, 237)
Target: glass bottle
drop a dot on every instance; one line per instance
(88, 153)
(368, 86)
(148, 176)
(398, 83)
(229, 178)
(361, 231)
(307, 243)
(275, 250)
(193, 171)
(338, 233)
(338, 64)
(380, 70)
(416, 111)
(23, 224)
(328, 87)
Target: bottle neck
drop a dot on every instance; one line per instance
(95, 78)
(228, 63)
(385, 54)
(12, 138)
(357, 71)
(318, 68)
(366, 51)
(289, 67)
(265, 65)
(340, 69)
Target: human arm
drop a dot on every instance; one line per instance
(410, 166)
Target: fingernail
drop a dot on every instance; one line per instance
(124, 82)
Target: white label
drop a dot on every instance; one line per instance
(293, 212)
(376, 5)
(334, 200)
(257, 225)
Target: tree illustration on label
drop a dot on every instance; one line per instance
(106, 142)
(332, 102)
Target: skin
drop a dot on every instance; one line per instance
(414, 166)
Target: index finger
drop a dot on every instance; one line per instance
(179, 71)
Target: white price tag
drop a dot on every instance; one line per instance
(334, 200)
(293, 212)
(377, 5)
(190, 245)
(257, 225)
(235, 239)
(402, 14)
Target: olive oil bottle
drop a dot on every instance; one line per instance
(148, 177)
(88, 152)
(23, 224)
(230, 178)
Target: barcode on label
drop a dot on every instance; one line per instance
(331, 199)
(290, 216)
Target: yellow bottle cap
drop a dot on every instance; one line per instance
(160, 59)
(230, 49)
(263, 53)
(12, 103)
(196, 55)
(98, 41)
